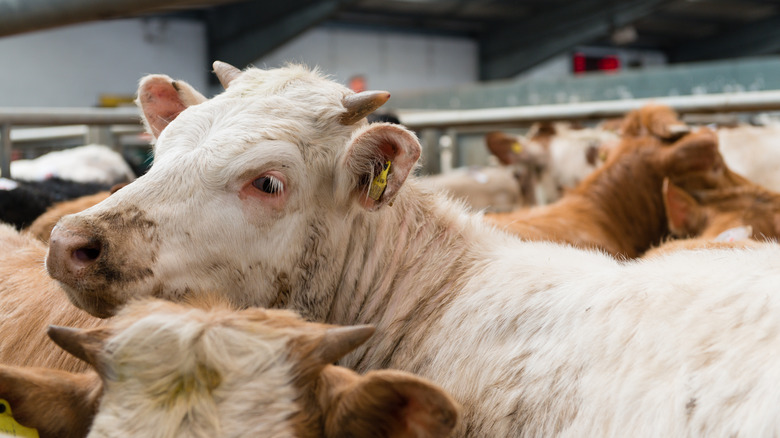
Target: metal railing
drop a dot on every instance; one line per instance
(449, 120)
(488, 117)
(440, 129)
(16, 117)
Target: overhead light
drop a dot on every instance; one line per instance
(624, 35)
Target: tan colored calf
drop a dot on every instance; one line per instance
(170, 370)
(31, 301)
(41, 227)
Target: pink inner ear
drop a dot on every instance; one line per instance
(161, 103)
(388, 150)
(678, 206)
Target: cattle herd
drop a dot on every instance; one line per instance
(282, 271)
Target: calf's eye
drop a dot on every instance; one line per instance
(268, 184)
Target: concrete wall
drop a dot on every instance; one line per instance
(389, 61)
(72, 66)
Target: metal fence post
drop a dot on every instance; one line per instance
(5, 150)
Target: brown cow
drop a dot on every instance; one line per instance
(709, 213)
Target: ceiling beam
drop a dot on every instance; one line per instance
(511, 50)
(243, 33)
(20, 16)
(756, 38)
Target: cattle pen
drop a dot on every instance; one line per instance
(427, 123)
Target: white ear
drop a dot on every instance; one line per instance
(367, 156)
(162, 99)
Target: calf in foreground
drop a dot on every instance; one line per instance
(168, 370)
(263, 191)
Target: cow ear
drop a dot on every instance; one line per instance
(385, 404)
(54, 402)
(376, 164)
(684, 215)
(161, 99)
(695, 153)
(504, 146)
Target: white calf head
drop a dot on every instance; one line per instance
(169, 370)
(243, 190)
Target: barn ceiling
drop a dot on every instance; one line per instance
(513, 35)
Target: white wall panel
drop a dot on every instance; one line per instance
(72, 66)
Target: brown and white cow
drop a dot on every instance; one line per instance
(619, 208)
(563, 156)
(273, 191)
(168, 370)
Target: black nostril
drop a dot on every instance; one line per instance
(88, 253)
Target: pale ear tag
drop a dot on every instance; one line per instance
(517, 148)
(10, 427)
(379, 183)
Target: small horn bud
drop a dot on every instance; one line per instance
(339, 341)
(362, 104)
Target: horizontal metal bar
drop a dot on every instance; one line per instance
(49, 133)
(707, 103)
(69, 116)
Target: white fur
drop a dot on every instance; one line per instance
(568, 148)
(90, 163)
(493, 188)
(155, 386)
(753, 152)
(533, 339)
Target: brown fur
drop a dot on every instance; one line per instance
(695, 244)
(56, 403)
(31, 300)
(708, 213)
(41, 227)
(383, 403)
(619, 208)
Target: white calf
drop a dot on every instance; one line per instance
(276, 191)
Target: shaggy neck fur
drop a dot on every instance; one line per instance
(533, 338)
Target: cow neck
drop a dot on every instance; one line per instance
(625, 200)
(403, 265)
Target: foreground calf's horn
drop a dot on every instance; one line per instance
(362, 104)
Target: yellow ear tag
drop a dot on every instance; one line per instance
(379, 183)
(10, 427)
(517, 148)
